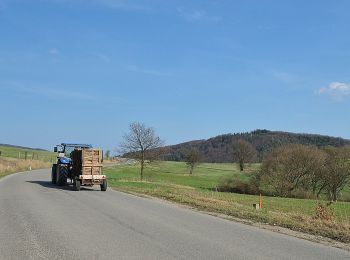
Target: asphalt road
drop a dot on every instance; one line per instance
(41, 221)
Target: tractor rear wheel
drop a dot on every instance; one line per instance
(54, 174)
(76, 184)
(104, 185)
(62, 175)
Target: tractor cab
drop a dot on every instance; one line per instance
(65, 150)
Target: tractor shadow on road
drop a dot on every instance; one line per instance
(68, 187)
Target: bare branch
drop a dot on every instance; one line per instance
(139, 142)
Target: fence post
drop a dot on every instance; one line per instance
(25, 155)
(33, 155)
(0, 153)
(19, 155)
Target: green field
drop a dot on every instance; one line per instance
(170, 181)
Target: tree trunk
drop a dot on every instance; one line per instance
(142, 164)
(314, 187)
(334, 193)
(241, 165)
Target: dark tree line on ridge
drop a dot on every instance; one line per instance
(288, 169)
(219, 149)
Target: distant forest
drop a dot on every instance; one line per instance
(219, 149)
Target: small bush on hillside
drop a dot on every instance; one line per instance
(303, 194)
(324, 212)
(292, 168)
(235, 185)
(346, 198)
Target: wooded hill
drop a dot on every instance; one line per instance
(219, 149)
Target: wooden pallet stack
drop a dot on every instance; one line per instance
(87, 162)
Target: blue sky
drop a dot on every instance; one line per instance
(82, 70)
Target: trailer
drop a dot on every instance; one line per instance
(87, 168)
(81, 164)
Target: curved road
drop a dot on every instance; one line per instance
(41, 221)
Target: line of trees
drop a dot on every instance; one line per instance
(142, 144)
(300, 168)
(217, 149)
(287, 170)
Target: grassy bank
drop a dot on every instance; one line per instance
(170, 181)
(15, 159)
(11, 165)
(29, 154)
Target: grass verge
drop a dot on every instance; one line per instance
(11, 165)
(170, 181)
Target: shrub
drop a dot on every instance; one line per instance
(303, 194)
(324, 212)
(235, 185)
(294, 167)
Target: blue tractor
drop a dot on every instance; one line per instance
(62, 170)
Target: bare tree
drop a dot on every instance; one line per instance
(139, 144)
(192, 159)
(108, 154)
(243, 152)
(312, 161)
(294, 166)
(338, 170)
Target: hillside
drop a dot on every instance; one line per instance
(218, 149)
(21, 147)
(20, 152)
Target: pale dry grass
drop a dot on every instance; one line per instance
(215, 202)
(10, 165)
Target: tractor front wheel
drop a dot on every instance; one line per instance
(62, 175)
(54, 174)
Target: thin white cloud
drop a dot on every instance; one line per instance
(336, 90)
(111, 4)
(54, 51)
(284, 76)
(57, 93)
(153, 72)
(102, 57)
(123, 4)
(49, 92)
(198, 16)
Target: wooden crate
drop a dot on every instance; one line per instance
(92, 170)
(87, 162)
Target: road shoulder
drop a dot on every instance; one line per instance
(301, 235)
